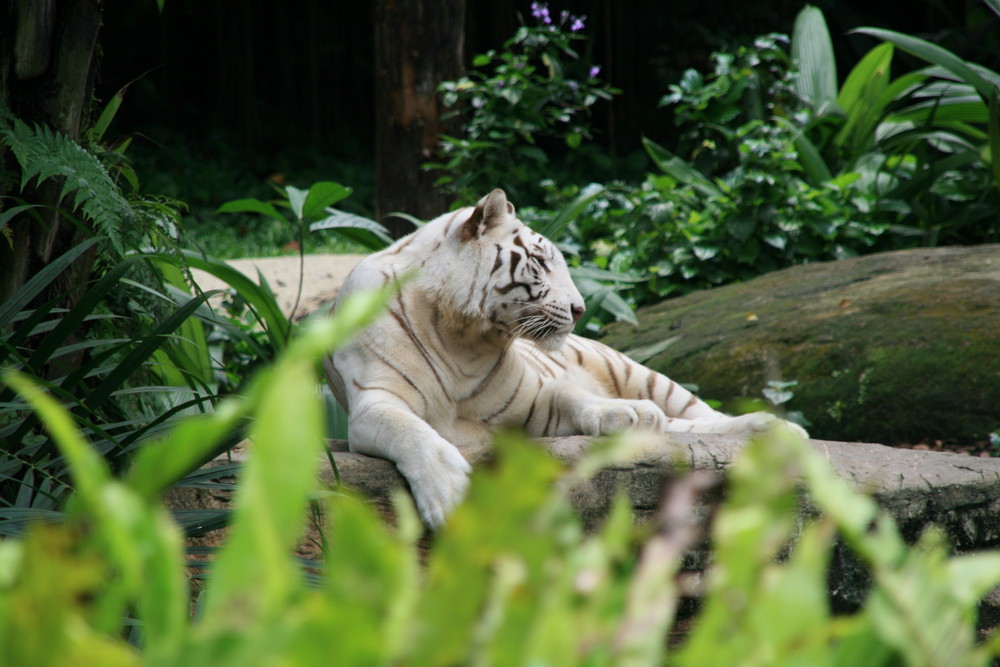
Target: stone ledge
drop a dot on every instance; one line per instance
(959, 493)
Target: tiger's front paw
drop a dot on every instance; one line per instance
(604, 416)
(438, 475)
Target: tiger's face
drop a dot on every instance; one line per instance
(528, 292)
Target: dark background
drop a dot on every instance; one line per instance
(260, 76)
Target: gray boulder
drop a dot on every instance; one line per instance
(893, 347)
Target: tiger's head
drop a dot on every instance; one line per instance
(511, 278)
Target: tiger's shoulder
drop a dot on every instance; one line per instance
(409, 253)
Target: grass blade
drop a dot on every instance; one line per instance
(41, 280)
(259, 297)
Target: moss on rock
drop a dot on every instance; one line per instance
(892, 347)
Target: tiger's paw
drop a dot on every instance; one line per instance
(761, 422)
(604, 416)
(439, 477)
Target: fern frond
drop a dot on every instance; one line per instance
(45, 154)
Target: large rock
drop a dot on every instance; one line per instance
(894, 347)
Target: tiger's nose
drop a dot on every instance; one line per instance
(577, 310)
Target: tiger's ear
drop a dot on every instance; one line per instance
(490, 212)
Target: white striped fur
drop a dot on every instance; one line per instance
(480, 340)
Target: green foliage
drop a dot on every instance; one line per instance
(45, 154)
(775, 166)
(511, 579)
(253, 307)
(919, 144)
(127, 352)
(107, 392)
(130, 557)
(535, 88)
(87, 187)
(312, 210)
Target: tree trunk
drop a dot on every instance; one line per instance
(47, 70)
(418, 44)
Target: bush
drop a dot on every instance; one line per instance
(511, 579)
(535, 88)
(776, 166)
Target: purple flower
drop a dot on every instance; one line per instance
(594, 71)
(577, 24)
(540, 10)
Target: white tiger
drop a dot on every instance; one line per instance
(479, 340)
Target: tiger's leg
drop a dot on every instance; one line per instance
(641, 397)
(575, 410)
(382, 425)
(582, 412)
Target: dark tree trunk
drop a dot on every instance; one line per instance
(418, 44)
(47, 69)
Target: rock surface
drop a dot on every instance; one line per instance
(961, 494)
(893, 347)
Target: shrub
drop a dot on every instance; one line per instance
(776, 166)
(511, 578)
(536, 87)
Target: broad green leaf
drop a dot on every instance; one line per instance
(939, 111)
(812, 50)
(354, 227)
(253, 206)
(809, 155)
(372, 598)
(935, 54)
(553, 228)
(860, 98)
(254, 577)
(191, 345)
(617, 306)
(296, 200)
(320, 196)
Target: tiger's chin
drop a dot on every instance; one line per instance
(549, 341)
